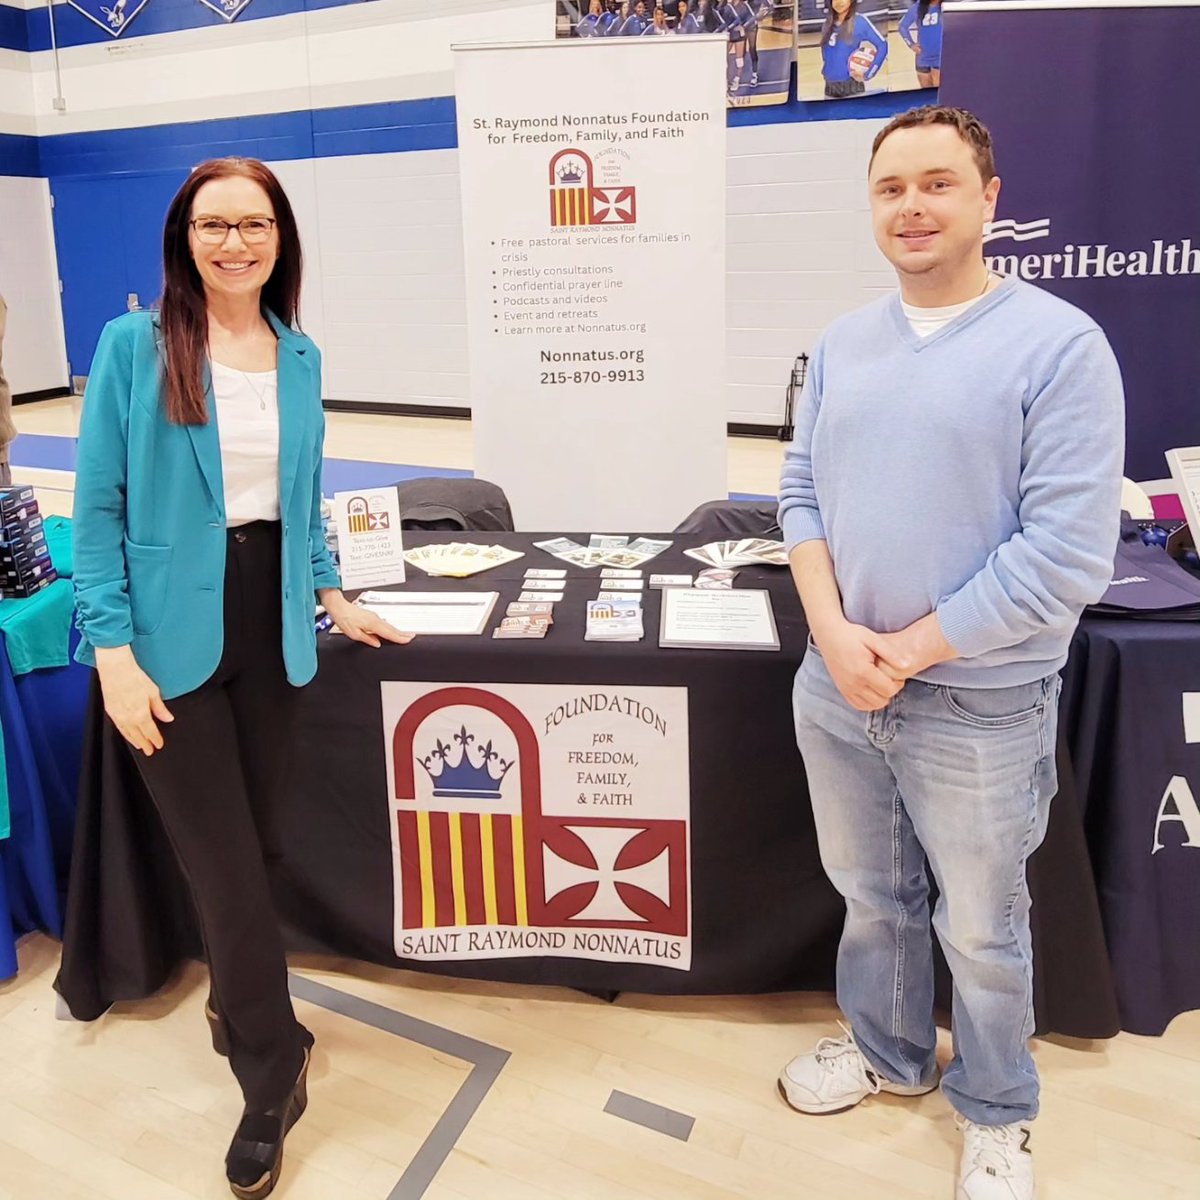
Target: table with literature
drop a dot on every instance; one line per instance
(605, 816)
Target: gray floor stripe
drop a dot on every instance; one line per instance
(488, 1061)
(652, 1116)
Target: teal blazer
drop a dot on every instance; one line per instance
(149, 518)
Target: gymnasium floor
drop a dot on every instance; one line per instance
(136, 1106)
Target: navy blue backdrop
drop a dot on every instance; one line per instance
(1093, 113)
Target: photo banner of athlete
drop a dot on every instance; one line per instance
(760, 36)
(1098, 190)
(851, 48)
(593, 209)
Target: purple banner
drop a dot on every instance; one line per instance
(1093, 112)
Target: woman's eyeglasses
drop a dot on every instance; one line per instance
(252, 230)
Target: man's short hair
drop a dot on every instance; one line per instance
(970, 128)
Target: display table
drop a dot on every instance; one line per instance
(42, 700)
(1137, 765)
(762, 916)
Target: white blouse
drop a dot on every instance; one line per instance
(248, 424)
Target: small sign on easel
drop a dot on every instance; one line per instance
(370, 542)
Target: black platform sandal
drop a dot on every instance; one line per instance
(255, 1156)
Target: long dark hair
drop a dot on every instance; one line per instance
(923, 6)
(183, 314)
(831, 19)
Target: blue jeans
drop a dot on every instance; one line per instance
(960, 779)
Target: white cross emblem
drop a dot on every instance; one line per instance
(606, 843)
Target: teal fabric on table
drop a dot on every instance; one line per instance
(37, 630)
(58, 542)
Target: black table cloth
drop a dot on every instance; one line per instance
(764, 917)
(1131, 709)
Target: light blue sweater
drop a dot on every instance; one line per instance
(975, 473)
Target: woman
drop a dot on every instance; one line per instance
(736, 58)
(198, 548)
(595, 23)
(619, 18)
(747, 14)
(852, 51)
(708, 18)
(658, 27)
(921, 29)
(685, 22)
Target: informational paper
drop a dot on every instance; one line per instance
(432, 612)
(593, 208)
(718, 620)
(370, 542)
(1185, 470)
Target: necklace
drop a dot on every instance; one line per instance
(260, 393)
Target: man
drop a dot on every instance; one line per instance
(950, 504)
(8, 431)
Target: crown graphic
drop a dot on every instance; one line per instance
(465, 779)
(571, 173)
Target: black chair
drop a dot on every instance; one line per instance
(431, 502)
(718, 520)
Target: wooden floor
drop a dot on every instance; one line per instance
(136, 1106)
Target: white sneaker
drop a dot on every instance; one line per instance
(997, 1163)
(834, 1077)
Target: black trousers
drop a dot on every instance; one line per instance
(223, 757)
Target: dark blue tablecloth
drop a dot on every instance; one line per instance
(42, 714)
(1137, 769)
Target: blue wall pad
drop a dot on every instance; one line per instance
(321, 133)
(46, 452)
(19, 156)
(347, 474)
(157, 17)
(43, 451)
(14, 28)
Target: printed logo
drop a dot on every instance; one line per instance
(532, 819)
(113, 16)
(576, 200)
(1178, 805)
(1097, 261)
(229, 10)
(1018, 232)
(367, 514)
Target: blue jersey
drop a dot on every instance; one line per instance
(925, 38)
(730, 22)
(688, 24)
(594, 25)
(634, 26)
(843, 43)
(746, 15)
